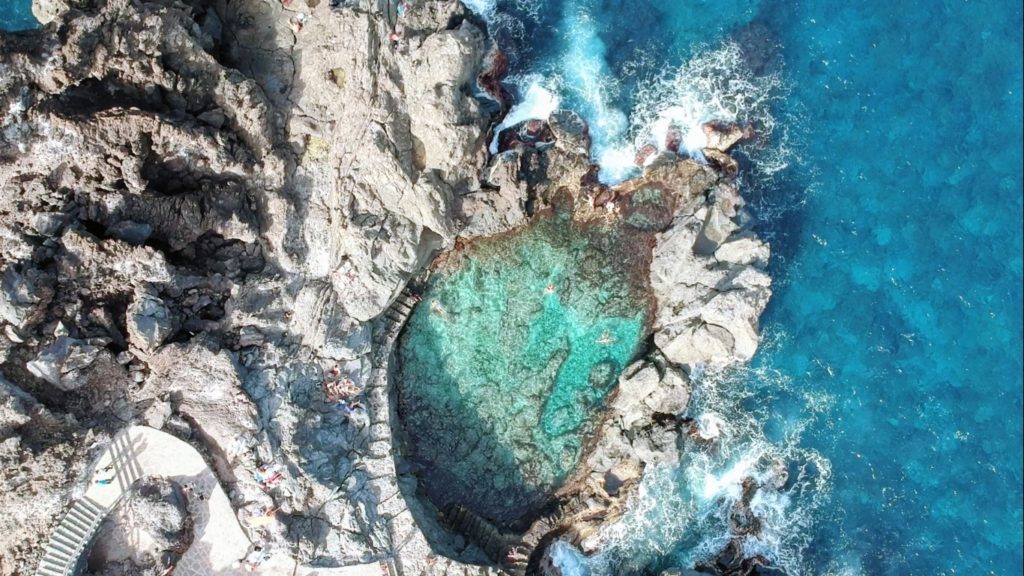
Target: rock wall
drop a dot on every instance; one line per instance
(202, 206)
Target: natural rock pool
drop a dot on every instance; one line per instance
(506, 363)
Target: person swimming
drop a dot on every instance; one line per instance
(436, 308)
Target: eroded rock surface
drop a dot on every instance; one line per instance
(150, 529)
(203, 205)
(207, 213)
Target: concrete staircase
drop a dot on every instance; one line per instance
(390, 323)
(70, 538)
(400, 310)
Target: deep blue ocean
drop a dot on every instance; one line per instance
(888, 180)
(16, 15)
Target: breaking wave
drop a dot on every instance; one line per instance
(680, 514)
(715, 84)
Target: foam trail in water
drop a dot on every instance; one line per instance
(591, 84)
(714, 85)
(537, 103)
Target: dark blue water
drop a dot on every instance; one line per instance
(16, 15)
(902, 278)
(893, 342)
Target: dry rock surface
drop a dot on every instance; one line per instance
(207, 213)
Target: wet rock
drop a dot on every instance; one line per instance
(725, 163)
(570, 132)
(742, 520)
(529, 133)
(494, 69)
(721, 137)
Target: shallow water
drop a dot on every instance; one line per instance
(509, 356)
(17, 15)
(890, 187)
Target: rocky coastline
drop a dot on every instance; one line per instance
(210, 217)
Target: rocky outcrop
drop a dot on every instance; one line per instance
(708, 276)
(42, 452)
(373, 186)
(150, 530)
(205, 205)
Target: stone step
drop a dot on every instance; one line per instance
(51, 570)
(57, 547)
(70, 538)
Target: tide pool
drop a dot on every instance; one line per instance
(889, 184)
(507, 360)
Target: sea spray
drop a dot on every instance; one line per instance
(568, 560)
(715, 84)
(679, 516)
(536, 103)
(589, 83)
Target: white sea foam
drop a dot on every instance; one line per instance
(538, 103)
(569, 560)
(483, 8)
(714, 85)
(584, 68)
(684, 509)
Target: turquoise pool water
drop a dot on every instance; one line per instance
(890, 187)
(507, 360)
(16, 15)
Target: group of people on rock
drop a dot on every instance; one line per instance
(343, 393)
